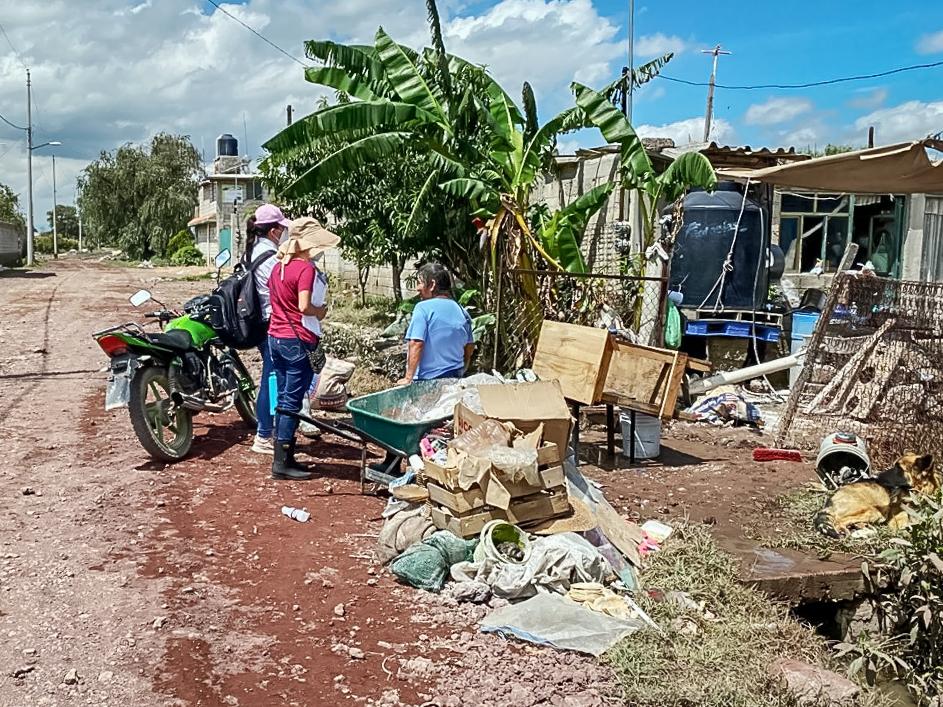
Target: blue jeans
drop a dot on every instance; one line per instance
(263, 406)
(293, 373)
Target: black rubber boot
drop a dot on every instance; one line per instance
(294, 463)
(282, 467)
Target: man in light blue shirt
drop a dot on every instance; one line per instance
(440, 341)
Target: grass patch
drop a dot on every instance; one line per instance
(718, 657)
(378, 312)
(794, 512)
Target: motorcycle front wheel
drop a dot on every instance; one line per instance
(164, 430)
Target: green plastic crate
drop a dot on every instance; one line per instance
(367, 412)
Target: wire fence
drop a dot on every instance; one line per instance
(527, 297)
(875, 369)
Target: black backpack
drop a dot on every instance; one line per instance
(236, 309)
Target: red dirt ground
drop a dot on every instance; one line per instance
(184, 584)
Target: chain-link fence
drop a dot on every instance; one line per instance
(527, 297)
(876, 369)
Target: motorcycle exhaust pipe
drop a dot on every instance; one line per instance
(191, 402)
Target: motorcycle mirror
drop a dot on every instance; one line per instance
(222, 258)
(139, 298)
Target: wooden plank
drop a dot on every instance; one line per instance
(526, 512)
(699, 365)
(870, 393)
(645, 378)
(462, 502)
(577, 356)
(845, 378)
(676, 380)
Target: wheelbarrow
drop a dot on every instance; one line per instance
(374, 421)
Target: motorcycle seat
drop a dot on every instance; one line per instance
(176, 339)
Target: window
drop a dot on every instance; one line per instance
(931, 264)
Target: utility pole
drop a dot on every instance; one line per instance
(55, 230)
(78, 215)
(715, 52)
(288, 114)
(630, 80)
(29, 171)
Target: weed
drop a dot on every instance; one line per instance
(718, 657)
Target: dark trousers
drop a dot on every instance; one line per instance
(293, 374)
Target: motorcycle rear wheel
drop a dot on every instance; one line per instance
(165, 431)
(245, 399)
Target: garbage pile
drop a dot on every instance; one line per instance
(493, 508)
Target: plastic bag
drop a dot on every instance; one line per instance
(426, 565)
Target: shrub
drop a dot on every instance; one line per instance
(43, 244)
(188, 255)
(180, 240)
(909, 577)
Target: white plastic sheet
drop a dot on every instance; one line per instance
(551, 620)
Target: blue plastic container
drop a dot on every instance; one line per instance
(803, 324)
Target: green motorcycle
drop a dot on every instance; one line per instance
(165, 378)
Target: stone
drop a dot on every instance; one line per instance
(811, 685)
(159, 622)
(71, 678)
(356, 653)
(105, 676)
(339, 610)
(23, 672)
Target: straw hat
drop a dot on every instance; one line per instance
(306, 237)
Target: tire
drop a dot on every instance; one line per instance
(148, 407)
(245, 399)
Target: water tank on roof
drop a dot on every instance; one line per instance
(706, 238)
(227, 146)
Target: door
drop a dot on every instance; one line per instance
(225, 239)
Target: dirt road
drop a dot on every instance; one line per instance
(123, 581)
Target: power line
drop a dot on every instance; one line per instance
(811, 84)
(4, 32)
(12, 125)
(256, 33)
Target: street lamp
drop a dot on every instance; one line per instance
(29, 188)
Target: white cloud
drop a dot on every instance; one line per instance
(651, 45)
(777, 110)
(123, 70)
(546, 42)
(930, 43)
(908, 121)
(870, 99)
(691, 130)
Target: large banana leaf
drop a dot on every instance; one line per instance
(357, 60)
(563, 233)
(348, 158)
(419, 201)
(466, 188)
(346, 118)
(637, 169)
(405, 78)
(340, 80)
(646, 72)
(691, 169)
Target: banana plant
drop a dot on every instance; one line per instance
(691, 169)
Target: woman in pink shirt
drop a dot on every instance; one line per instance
(290, 342)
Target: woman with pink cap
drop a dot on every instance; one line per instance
(265, 231)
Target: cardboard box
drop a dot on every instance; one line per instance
(547, 455)
(461, 502)
(530, 510)
(526, 405)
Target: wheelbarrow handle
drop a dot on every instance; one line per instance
(343, 430)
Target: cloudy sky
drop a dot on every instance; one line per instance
(106, 72)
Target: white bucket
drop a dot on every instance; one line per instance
(647, 435)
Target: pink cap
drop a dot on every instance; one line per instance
(271, 214)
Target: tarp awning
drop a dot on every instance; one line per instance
(904, 168)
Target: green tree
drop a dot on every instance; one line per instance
(137, 197)
(10, 211)
(67, 221)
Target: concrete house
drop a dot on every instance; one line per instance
(227, 197)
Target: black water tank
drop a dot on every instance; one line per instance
(704, 241)
(227, 146)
